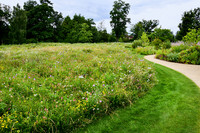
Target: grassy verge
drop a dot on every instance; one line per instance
(173, 105)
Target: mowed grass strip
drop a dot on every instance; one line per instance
(172, 106)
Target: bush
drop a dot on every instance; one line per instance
(157, 43)
(137, 43)
(32, 40)
(188, 56)
(178, 49)
(174, 57)
(192, 37)
(162, 54)
(149, 50)
(191, 55)
(144, 38)
(166, 45)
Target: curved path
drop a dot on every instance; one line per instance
(191, 71)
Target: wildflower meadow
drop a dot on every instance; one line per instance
(54, 87)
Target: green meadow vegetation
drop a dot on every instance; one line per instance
(188, 52)
(171, 106)
(52, 87)
(81, 83)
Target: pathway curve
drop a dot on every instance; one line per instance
(191, 71)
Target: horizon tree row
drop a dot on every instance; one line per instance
(39, 22)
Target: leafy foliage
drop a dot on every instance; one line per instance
(137, 43)
(119, 18)
(149, 50)
(190, 20)
(157, 43)
(85, 35)
(18, 24)
(190, 56)
(146, 26)
(5, 14)
(145, 39)
(166, 45)
(192, 37)
(149, 25)
(162, 34)
(43, 21)
(178, 49)
(78, 29)
(183, 53)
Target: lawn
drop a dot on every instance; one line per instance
(172, 106)
(53, 87)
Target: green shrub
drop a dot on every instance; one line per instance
(157, 43)
(120, 39)
(137, 43)
(191, 55)
(145, 38)
(178, 49)
(149, 50)
(192, 37)
(174, 57)
(166, 45)
(162, 54)
(32, 40)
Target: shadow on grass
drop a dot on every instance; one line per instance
(173, 105)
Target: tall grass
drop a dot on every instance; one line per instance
(60, 87)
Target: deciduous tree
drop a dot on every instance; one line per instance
(162, 34)
(18, 24)
(190, 20)
(5, 14)
(43, 20)
(146, 26)
(119, 17)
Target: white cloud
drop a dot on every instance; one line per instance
(168, 12)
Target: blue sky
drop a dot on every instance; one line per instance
(168, 12)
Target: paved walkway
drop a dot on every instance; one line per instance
(191, 71)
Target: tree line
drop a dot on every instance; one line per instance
(39, 22)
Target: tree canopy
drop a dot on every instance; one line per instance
(162, 34)
(190, 20)
(119, 17)
(5, 14)
(18, 24)
(146, 26)
(39, 22)
(43, 20)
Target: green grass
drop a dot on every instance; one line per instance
(172, 106)
(59, 87)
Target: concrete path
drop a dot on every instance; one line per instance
(191, 71)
